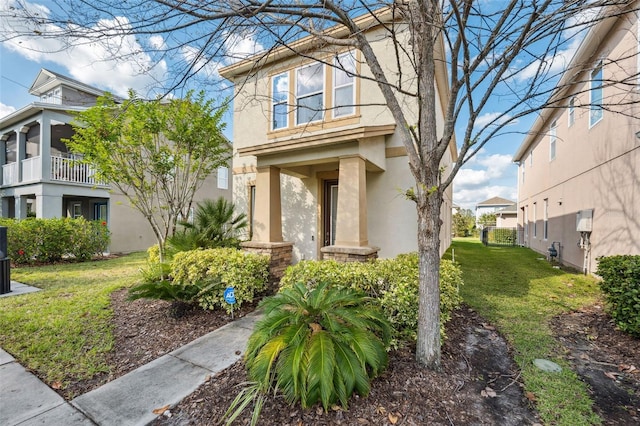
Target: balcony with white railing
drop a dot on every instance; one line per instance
(69, 170)
(10, 173)
(32, 169)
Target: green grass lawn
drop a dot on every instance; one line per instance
(519, 293)
(64, 331)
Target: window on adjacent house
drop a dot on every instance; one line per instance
(545, 224)
(280, 98)
(595, 110)
(531, 158)
(571, 114)
(76, 210)
(526, 222)
(344, 85)
(535, 223)
(522, 172)
(223, 177)
(553, 138)
(309, 93)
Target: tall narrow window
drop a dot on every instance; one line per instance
(535, 217)
(344, 85)
(523, 172)
(571, 113)
(595, 111)
(280, 97)
(309, 93)
(526, 222)
(545, 223)
(531, 158)
(553, 132)
(223, 178)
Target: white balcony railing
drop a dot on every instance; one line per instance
(31, 169)
(68, 170)
(10, 173)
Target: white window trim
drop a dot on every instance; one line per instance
(553, 140)
(571, 111)
(322, 92)
(336, 87)
(223, 177)
(600, 66)
(273, 103)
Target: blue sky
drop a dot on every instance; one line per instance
(490, 173)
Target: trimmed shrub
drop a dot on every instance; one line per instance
(392, 283)
(621, 286)
(247, 273)
(50, 240)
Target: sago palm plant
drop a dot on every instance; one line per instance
(315, 345)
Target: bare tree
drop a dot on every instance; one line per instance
(513, 52)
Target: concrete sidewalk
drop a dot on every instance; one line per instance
(130, 399)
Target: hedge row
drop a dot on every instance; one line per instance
(33, 240)
(621, 286)
(392, 282)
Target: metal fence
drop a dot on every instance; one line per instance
(492, 235)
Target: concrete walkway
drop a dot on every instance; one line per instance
(19, 288)
(130, 399)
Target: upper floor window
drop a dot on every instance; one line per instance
(223, 177)
(309, 93)
(553, 139)
(280, 96)
(595, 110)
(531, 158)
(545, 223)
(571, 114)
(522, 172)
(344, 85)
(52, 97)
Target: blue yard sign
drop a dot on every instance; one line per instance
(229, 295)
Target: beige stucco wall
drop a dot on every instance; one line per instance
(595, 167)
(130, 231)
(391, 219)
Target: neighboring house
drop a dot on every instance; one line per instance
(40, 178)
(325, 182)
(491, 206)
(579, 168)
(507, 217)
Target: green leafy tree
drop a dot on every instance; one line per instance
(156, 153)
(463, 223)
(215, 224)
(487, 219)
(315, 345)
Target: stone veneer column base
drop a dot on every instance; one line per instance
(280, 255)
(349, 254)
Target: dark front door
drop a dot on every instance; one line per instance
(330, 211)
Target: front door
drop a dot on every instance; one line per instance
(100, 211)
(330, 211)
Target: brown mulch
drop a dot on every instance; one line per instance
(479, 383)
(607, 359)
(147, 329)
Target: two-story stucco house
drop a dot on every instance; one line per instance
(579, 168)
(492, 205)
(40, 178)
(317, 163)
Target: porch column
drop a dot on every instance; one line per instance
(21, 149)
(45, 146)
(267, 225)
(3, 155)
(49, 206)
(351, 223)
(267, 222)
(352, 241)
(20, 207)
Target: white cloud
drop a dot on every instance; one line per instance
(485, 176)
(157, 42)
(5, 109)
(115, 62)
(489, 117)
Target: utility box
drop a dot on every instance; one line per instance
(584, 220)
(5, 264)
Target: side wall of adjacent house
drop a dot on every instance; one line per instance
(595, 165)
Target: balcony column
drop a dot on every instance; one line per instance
(3, 155)
(21, 149)
(352, 241)
(45, 146)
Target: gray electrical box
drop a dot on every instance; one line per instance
(584, 220)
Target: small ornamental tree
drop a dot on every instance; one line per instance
(156, 153)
